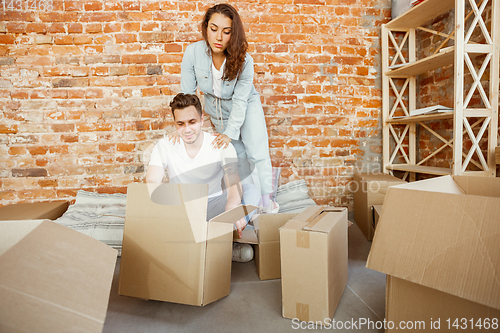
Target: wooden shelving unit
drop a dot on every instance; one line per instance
(420, 14)
(420, 169)
(423, 117)
(476, 124)
(421, 66)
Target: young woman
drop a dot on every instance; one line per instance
(220, 68)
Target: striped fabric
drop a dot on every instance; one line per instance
(100, 216)
(293, 197)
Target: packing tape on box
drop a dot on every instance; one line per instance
(302, 311)
(314, 221)
(303, 239)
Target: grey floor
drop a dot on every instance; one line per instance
(252, 305)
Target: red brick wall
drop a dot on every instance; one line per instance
(84, 89)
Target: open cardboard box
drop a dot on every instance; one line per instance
(370, 189)
(314, 263)
(170, 252)
(265, 236)
(376, 211)
(33, 211)
(52, 278)
(438, 242)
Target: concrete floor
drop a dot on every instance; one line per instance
(253, 305)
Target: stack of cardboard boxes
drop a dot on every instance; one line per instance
(369, 191)
(438, 241)
(171, 253)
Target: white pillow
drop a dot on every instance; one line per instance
(296, 206)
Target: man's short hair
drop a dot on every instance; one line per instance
(182, 101)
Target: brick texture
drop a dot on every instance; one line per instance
(84, 90)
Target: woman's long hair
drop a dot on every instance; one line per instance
(238, 45)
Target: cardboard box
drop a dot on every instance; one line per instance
(370, 189)
(33, 211)
(314, 263)
(267, 249)
(170, 252)
(437, 240)
(52, 278)
(376, 210)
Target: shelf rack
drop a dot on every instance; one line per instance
(485, 119)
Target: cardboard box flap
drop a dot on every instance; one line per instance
(483, 186)
(323, 223)
(309, 213)
(192, 196)
(441, 240)
(234, 214)
(33, 211)
(54, 279)
(377, 212)
(294, 224)
(183, 201)
(13, 233)
(378, 177)
(313, 218)
(268, 225)
(376, 183)
(167, 194)
(444, 184)
(248, 236)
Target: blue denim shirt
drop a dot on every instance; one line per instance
(196, 73)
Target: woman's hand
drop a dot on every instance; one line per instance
(174, 137)
(221, 141)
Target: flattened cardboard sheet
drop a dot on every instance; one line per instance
(52, 278)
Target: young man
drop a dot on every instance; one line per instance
(195, 159)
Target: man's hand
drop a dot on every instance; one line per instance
(240, 226)
(241, 223)
(221, 141)
(174, 137)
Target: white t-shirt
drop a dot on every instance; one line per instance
(204, 168)
(217, 79)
